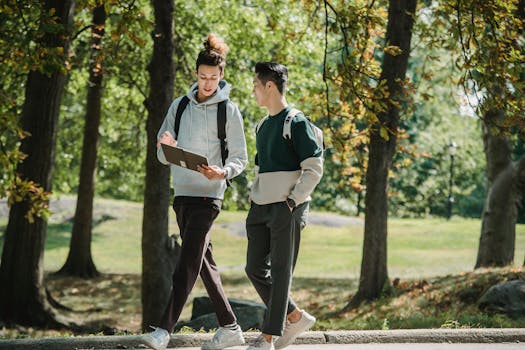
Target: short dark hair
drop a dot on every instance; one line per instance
(271, 71)
(214, 53)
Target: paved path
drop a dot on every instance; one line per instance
(404, 346)
(412, 339)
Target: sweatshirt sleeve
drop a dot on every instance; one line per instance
(236, 143)
(310, 157)
(167, 125)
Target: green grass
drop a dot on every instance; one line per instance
(416, 247)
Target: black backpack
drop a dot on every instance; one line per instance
(221, 125)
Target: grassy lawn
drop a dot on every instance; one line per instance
(433, 259)
(416, 247)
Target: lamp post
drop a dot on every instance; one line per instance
(451, 152)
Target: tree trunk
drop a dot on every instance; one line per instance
(22, 294)
(500, 212)
(505, 190)
(157, 259)
(374, 275)
(520, 181)
(359, 205)
(521, 166)
(505, 183)
(79, 261)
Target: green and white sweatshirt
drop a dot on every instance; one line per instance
(282, 172)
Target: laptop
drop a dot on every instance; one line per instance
(183, 158)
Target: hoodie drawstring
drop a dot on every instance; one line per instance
(207, 134)
(191, 120)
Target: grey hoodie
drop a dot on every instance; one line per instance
(198, 134)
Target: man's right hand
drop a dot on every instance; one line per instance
(167, 139)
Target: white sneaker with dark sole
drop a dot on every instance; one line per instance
(261, 344)
(293, 330)
(224, 338)
(158, 339)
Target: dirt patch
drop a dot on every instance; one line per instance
(333, 220)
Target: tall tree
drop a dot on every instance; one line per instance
(157, 258)
(22, 294)
(499, 47)
(79, 260)
(505, 190)
(19, 25)
(383, 134)
(521, 17)
(489, 35)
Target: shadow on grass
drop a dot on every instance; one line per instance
(59, 234)
(111, 302)
(312, 283)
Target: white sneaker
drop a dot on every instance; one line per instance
(293, 330)
(261, 344)
(158, 339)
(224, 338)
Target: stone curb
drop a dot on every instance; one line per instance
(485, 335)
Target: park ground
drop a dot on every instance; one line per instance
(430, 263)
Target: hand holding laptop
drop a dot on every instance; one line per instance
(212, 172)
(167, 139)
(189, 160)
(181, 157)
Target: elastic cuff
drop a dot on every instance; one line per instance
(228, 170)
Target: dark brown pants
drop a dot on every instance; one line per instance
(195, 217)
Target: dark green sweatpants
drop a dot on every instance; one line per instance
(274, 234)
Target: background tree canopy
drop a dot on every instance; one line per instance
(301, 35)
(294, 34)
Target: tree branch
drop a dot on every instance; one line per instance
(520, 176)
(464, 50)
(80, 31)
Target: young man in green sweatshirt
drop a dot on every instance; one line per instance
(286, 174)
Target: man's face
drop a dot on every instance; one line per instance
(260, 91)
(208, 78)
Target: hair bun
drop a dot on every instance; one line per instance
(215, 43)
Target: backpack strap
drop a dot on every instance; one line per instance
(221, 129)
(221, 133)
(287, 127)
(260, 123)
(180, 109)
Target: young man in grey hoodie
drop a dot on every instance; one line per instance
(287, 172)
(198, 196)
